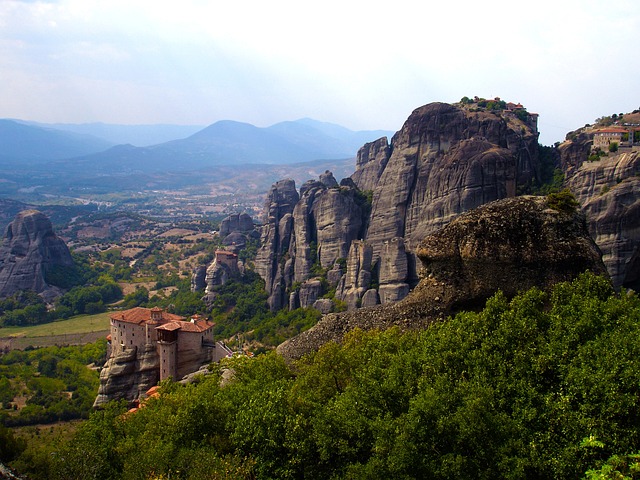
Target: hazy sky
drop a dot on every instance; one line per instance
(361, 64)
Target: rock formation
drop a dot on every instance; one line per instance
(509, 245)
(198, 278)
(128, 375)
(607, 189)
(313, 233)
(276, 241)
(223, 268)
(32, 257)
(236, 230)
(357, 278)
(445, 160)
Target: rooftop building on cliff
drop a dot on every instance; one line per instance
(604, 137)
(182, 345)
(229, 259)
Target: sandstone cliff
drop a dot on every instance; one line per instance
(509, 245)
(445, 160)
(608, 191)
(301, 238)
(128, 375)
(32, 257)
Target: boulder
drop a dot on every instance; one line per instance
(370, 298)
(323, 305)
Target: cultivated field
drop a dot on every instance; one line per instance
(75, 331)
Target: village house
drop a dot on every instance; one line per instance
(182, 345)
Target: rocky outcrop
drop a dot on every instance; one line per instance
(128, 375)
(357, 278)
(394, 271)
(445, 160)
(509, 245)
(32, 257)
(275, 241)
(371, 161)
(310, 291)
(238, 222)
(608, 192)
(236, 230)
(316, 232)
(223, 268)
(198, 278)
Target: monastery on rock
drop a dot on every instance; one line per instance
(182, 345)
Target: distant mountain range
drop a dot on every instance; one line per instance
(138, 135)
(222, 143)
(21, 143)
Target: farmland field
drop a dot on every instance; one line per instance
(74, 331)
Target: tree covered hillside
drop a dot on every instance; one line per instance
(543, 386)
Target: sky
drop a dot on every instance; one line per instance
(362, 64)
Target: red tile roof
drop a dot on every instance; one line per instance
(140, 316)
(169, 321)
(612, 130)
(195, 327)
(171, 326)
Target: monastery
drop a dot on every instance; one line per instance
(182, 345)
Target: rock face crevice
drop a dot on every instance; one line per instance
(31, 253)
(509, 245)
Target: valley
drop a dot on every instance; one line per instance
(339, 262)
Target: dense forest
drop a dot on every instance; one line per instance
(545, 385)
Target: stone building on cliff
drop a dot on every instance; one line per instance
(147, 345)
(603, 137)
(182, 346)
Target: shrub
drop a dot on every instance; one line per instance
(562, 201)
